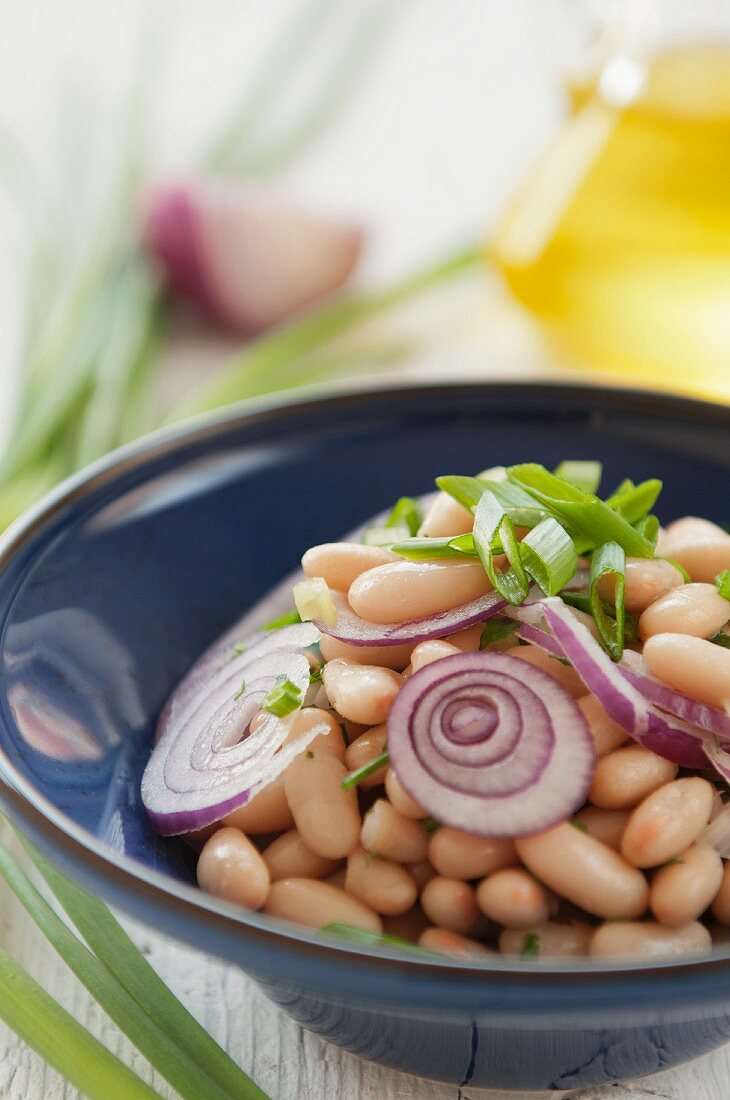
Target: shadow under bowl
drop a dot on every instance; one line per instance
(114, 584)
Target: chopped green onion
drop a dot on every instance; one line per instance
(241, 690)
(589, 520)
(623, 487)
(496, 630)
(648, 526)
(466, 491)
(406, 512)
(549, 556)
(493, 528)
(430, 825)
(315, 674)
(384, 536)
(631, 627)
(530, 946)
(465, 544)
(520, 506)
(314, 601)
(289, 619)
(634, 501)
(721, 638)
(376, 939)
(722, 584)
(579, 825)
(366, 770)
(284, 698)
(609, 560)
(586, 475)
(426, 549)
(578, 599)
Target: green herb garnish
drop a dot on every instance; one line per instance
(366, 770)
(406, 512)
(579, 825)
(609, 560)
(496, 630)
(375, 939)
(494, 533)
(426, 549)
(289, 619)
(530, 946)
(722, 584)
(241, 690)
(284, 698)
(584, 475)
(548, 555)
(430, 825)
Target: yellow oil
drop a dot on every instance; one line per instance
(620, 240)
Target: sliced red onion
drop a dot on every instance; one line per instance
(206, 762)
(352, 629)
(490, 745)
(635, 670)
(541, 639)
(718, 757)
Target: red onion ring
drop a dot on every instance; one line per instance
(490, 745)
(635, 670)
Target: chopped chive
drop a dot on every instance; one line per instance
(648, 526)
(376, 939)
(492, 529)
(548, 555)
(530, 946)
(585, 475)
(609, 560)
(579, 825)
(370, 768)
(384, 536)
(284, 698)
(634, 501)
(496, 630)
(430, 825)
(722, 584)
(314, 601)
(426, 549)
(241, 690)
(289, 619)
(406, 512)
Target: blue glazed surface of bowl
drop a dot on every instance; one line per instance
(116, 582)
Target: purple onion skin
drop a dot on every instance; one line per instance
(355, 631)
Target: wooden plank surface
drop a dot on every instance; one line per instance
(289, 1063)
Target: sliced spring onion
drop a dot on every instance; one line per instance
(648, 526)
(377, 939)
(366, 770)
(314, 601)
(384, 536)
(530, 946)
(634, 501)
(494, 530)
(122, 958)
(578, 599)
(721, 638)
(406, 512)
(548, 555)
(522, 509)
(496, 631)
(290, 619)
(680, 569)
(432, 549)
(466, 491)
(284, 698)
(722, 584)
(589, 520)
(609, 560)
(586, 475)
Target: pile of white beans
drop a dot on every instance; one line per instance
(630, 875)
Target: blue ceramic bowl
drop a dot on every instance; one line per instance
(116, 582)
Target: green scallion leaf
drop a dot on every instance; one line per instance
(722, 639)
(722, 584)
(496, 630)
(520, 506)
(289, 619)
(466, 491)
(648, 526)
(609, 560)
(530, 946)
(634, 501)
(590, 521)
(406, 512)
(433, 549)
(586, 475)
(241, 690)
(366, 770)
(548, 555)
(494, 529)
(385, 536)
(577, 599)
(284, 698)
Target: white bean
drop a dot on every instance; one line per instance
(696, 609)
(445, 516)
(289, 857)
(365, 748)
(340, 563)
(451, 943)
(636, 939)
(604, 825)
(701, 547)
(426, 653)
(693, 666)
(362, 693)
(383, 885)
(646, 580)
(389, 834)
(450, 904)
(231, 868)
(406, 590)
(386, 656)
(721, 904)
(567, 677)
(513, 898)
(667, 822)
(681, 891)
(317, 904)
(325, 814)
(399, 797)
(607, 735)
(551, 939)
(460, 855)
(624, 777)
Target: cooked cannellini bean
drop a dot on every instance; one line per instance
(338, 879)
(451, 943)
(421, 872)
(405, 590)
(383, 885)
(720, 934)
(468, 639)
(317, 904)
(585, 872)
(326, 815)
(230, 867)
(646, 580)
(407, 926)
(566, 676)
(696, 609)
(426, 653)
(399, 797)
(604, 825)
(361, 693)
(386, 656)
(329, 740)
(450, 904)
(289, 857)
(694, 666)
(460, 855)
(513, 898)
(721, 904)
(624, 777)
(607, 735)
(340, 563)
(368, 746)
(667, 822)
(445, 516)
(681, 891)
(387, 833)
(552, 939)
(267, 812)
(636, 939)
(700, 546)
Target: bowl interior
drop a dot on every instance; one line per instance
(116, 585)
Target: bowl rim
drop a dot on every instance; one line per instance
(147, 892)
